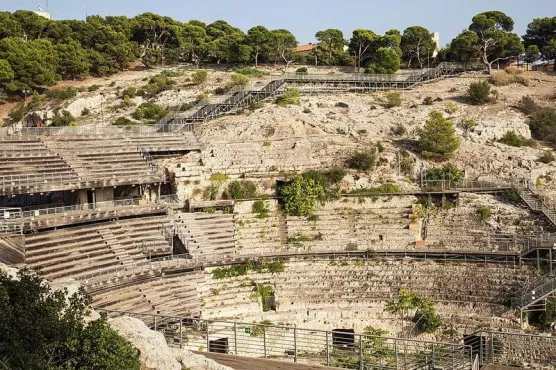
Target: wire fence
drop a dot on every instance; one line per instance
(94, 130)
(339, 348)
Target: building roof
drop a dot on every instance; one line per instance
(302, 48)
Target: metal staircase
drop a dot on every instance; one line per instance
(534, 293)
(240, 97)
(538, 203)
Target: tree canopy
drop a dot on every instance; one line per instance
(438, 138)
(541, 33)
(44, 329)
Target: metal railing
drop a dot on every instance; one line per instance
(331, 348)
(11, 220)
(98, 206)
(93, 130)
(536, 293)
(514, 349)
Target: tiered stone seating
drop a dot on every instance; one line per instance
(207, 234)
(30, 165)
(255, 235)
(380, 224)
(12, 249)
(460, 228)
(164, 295)
(142, 236)
(70, 252)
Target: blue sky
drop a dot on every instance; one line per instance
(305, 17)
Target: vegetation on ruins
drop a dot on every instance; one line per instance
(447, 172)
(244, 268)
(425, 315)
(362, 160)
(63, 118)
(149, 112)
(290, 97)
(237, 79)
(244, 189)
(381, 189)
(265, 293)
(544, 319)
(260, 209)
(543, 125)
(199, 77)
(438, 138)
(484, 213)
(546, 157)
(392, 99)
(508, 76)
(512, 195)
(41, 328)
(301, 195)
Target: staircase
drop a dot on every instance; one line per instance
(535, 292)
(537, 203)
(119, 251)
(239, 98)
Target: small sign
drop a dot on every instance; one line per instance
(247, 330)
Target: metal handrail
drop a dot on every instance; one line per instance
(90, 130)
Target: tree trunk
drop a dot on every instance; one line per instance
(257, 60)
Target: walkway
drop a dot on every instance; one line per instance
(250, 363)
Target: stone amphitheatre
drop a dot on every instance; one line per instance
(143, 217)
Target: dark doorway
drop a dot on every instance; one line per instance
(343, 338)
(219, 345)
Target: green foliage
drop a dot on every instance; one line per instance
(385, 61)
(392, 99)
(130, 92)
(416, 44)
(63, 119)
(363, 161)
(260, 208)
(290, 97)
(512, 195)
(252, 72)
(381, 189)
(546, 157)
(541, 38)
(484, 213)
(243, 269)
(301, 70)
(45, 329)
(543, 125)
(448, 172)
(479, 92)
(350, 247)
(427, 320)
(512, 139)
(237, 79)
(468, 124)
(218, 177)
(65, 94)
(438, 139)
(265, 292)
(123, 121)
(149, 111)
(428, 101)
(242, 189)
(301, 195)
(199, 77)
(158, 84)
(93, 88)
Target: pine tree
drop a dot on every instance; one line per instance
(438, 138)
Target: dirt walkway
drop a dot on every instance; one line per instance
(249, 363)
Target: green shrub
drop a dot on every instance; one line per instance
(130, 93)
(392, 99)
(218, 177)
(93, 88)
(528, 105)
(381, 189)
(242, 189)
(512, 139)
(398, 129)
(468, 124)
(123, 121)
(301, 195)
(254, 105)
(63, 119)
(543, 125)
(447, 172)
(158, 84)
(427, 320)
(64, 94)
(512, 195)
(149, 111)
(290, 97)
(450, 107)
(428, 101)
(237, 80)
(301, 70)
(341, 105)
(363, 161)
(484, 213)
(351, 247)
(479, 92)
(17, 114)
(199, 77)
(250, 72)
(547, 157)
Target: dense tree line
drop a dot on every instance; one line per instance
(36, 52)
